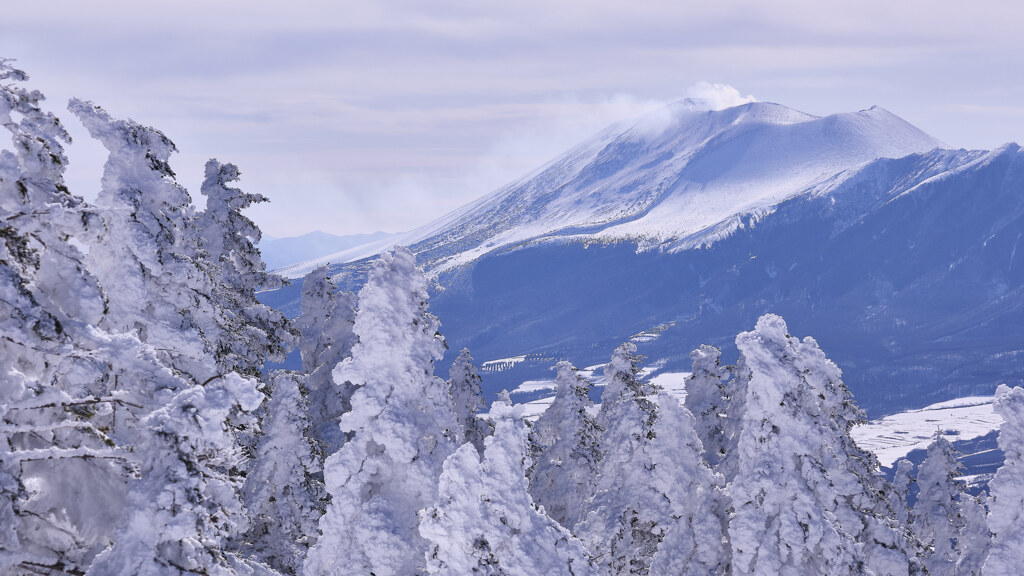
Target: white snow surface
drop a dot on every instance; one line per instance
(895, 436)
(677, 178)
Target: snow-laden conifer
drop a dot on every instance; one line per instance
(61, 478)
(326, 338)
(975, 538)
(251, 332)
(899, 496)
(732, 424)
(1006, 500)
(653, 484)
(484, 521)
(85, 404)
(803, 504)
(10, 548)
(145, 257)
(707, 399)
(184, 508)
(282, 495)
(403, 427)
(567, 443)
(40, 213)
(936, 518)
(694, 544)
(888, 545)
(468, 399)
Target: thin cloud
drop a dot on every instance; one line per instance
(717, 96)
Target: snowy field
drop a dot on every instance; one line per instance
(893, 437)
(890, 438)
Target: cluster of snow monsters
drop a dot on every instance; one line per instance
(139, 433)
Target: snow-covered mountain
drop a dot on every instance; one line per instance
(671, 179)
(683, 226)
(674, 178)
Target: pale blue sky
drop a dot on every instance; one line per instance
(358, 116)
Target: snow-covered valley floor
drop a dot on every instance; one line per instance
(895, 436)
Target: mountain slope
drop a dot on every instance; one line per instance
(683, 227)
(282, 252)
(670, 175)
(906, 272)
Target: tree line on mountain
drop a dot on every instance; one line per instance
(140, 433)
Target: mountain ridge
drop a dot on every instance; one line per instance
(901, 267)
(634, 179)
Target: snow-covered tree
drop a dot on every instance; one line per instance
(281, 493)
(468, 399)
(325, 323)
(732, 425)
(567, 441)
(936, 519)
(326, 338)
(707, 399)
(40, 213)
(251, 332)
(53, 408)
(901, 482)
(484, 521)
(653, 484)
(975, 538)
(694, 545)
(184, 508)
(802, 503)
(1006, 503)
(97, 432)
(887, 544)
(403, 425)
(144, 257)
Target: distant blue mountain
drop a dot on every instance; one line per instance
(896, 254)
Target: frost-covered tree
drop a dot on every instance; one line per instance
(39, 212)
(568, 451)
(53, 406)
(326, 338)
(468, 399)
(707, 399)
(95, 426)
(1006, 503)
(936, 518)
(325, 323)
(144, 257)
(975, 539)
(653, 484)
(694, 545)
(624, 521)
(484, 521)
(901, 482)
(802, 502)
(732, 424)
(281, 493)
(403, 426)
(184, 507)
(887, 544)
(251, 332)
